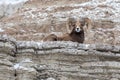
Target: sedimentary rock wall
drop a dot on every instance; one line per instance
(7, 58)
(39, 18)
(29, 60)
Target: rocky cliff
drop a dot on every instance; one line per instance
(34, 20)
(23, 56)
(29, 60)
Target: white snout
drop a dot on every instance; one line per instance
(77, 29)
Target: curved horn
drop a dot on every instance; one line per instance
(70, 23)
(88, 23)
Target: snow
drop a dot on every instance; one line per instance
(50, 8)
(16, 66)
(50, 78)
(112, 7)
(11, 1)
(95, 9)
(8, 7)
(1, 30)
(19, 65)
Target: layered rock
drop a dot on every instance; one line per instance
(29, 60)
(7, 58)
(34, 21)
(69, 61)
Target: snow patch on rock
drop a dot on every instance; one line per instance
(8, 7)
(19, 65)
(1, 30)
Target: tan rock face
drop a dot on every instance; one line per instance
(34, 21)
(29, 60)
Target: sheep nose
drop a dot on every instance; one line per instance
(77, 28)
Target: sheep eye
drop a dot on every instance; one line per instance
(73, 25)
(82, 24)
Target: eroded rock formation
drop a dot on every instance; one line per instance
(29, 60)
(39, 18)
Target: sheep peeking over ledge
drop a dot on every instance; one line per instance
(76, 31)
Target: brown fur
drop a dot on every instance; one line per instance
(51, 37)
(75, 37)
(83, 24)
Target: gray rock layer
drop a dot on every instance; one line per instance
(28, 60)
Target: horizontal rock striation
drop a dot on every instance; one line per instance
(7, 58)
(29, 60)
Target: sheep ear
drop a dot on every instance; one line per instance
(69, 24)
